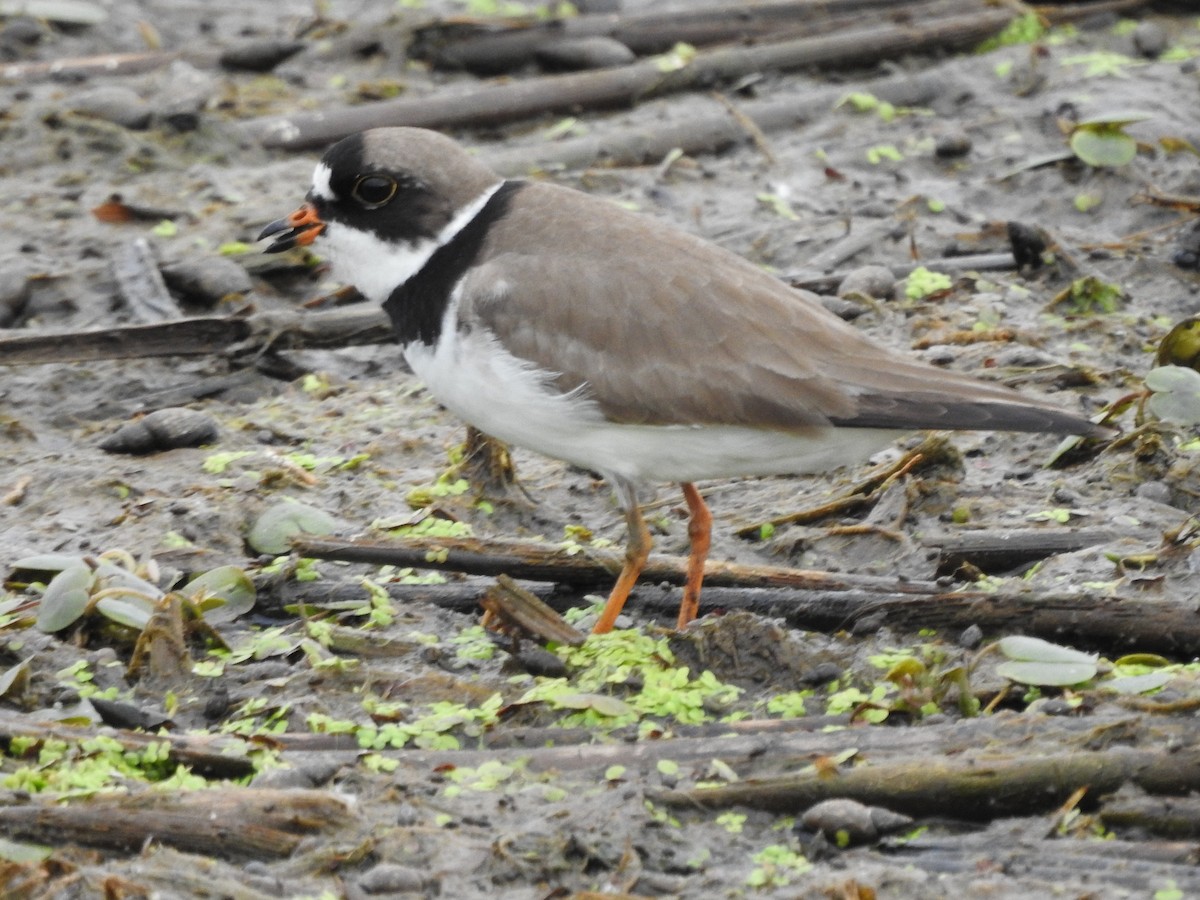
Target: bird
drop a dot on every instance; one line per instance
(561, 322)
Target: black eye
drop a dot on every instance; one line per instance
(374, 190)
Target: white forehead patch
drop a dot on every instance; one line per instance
(320, 182)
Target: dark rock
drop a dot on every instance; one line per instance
(206, 281)
(163, 429)
(584, 53)
(952, 144)
(877, 282)
(186, 93)
(1150, 39)
(848, 822)
(388, 878)
(14, 294)
(259, 56)
(114, 103)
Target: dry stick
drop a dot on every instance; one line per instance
(491, 49)
(1001, 550)
(216, 757)
(973, 786)
(765, 746)
(547, 562)
(495, 103)
(245, 823)
(1115, 623)
(650, 142)
(248, 333)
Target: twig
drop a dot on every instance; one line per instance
(973, 785)
(548, 562)
(505, 102)
(248, 333)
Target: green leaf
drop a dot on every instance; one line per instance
(231, 589)
(273, 531)
(1037, 662)
(1176, 396)
(600, 703)
(129, 610)
(1103, 145)
(65, 599)
(1138, 684)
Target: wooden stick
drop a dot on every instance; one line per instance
(505, 102)
(974, 785)
(548, 562)
(488, 48)
(247, 333)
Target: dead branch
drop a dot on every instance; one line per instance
(486, 47)
(242, 823)
(642, 144)
(215, 757)
(1115, 623)
(248, 333)
(583, 566)
(1002, 550)
(504, 102)
(972, 786)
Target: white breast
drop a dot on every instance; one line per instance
(473, 376)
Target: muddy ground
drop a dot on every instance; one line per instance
(543, 829)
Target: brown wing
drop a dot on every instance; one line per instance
(664, 328)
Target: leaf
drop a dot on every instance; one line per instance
(273, 531)
(1170, 379)
(1038, 662)
(130, 610)
(14, 680)
(600, 703)
(23, 854)
(65, 599)
(1176, 396)
(1137, 684)
(223, 593)
(1103, 145)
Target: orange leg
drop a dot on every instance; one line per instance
(700, 534)
(637, 550)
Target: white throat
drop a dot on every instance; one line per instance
(377, 267)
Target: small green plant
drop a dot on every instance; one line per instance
(1101, 141)
(924, 283)
(776, 866)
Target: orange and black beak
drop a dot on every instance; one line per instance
(297, 230)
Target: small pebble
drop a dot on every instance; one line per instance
(952, 144)
(282, 779)
(206, 281)
(388, 878)
(14, 294)
(22, 31)
(163, 429)
(114, 103)
(1022, 357)
(538, 661)
(868, 281)
(259, 56)
(585, 53)
(1150, 39)
(971, 637)
(188, 94)
(843, 820)
(1156, 491)
(847, 310)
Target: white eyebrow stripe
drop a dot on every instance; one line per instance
(320, 182)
